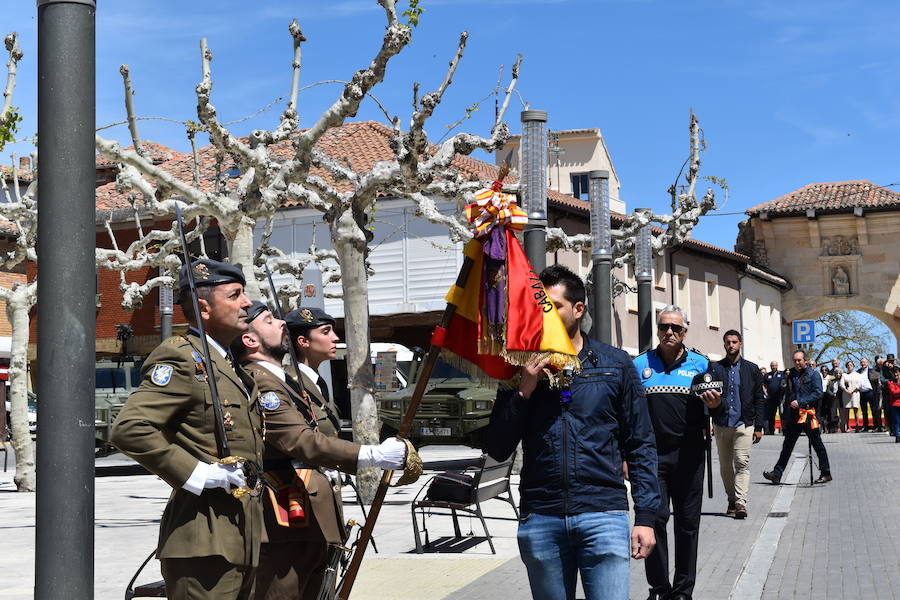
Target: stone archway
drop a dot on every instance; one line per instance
(838, 244)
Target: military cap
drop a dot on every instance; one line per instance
(303, 319)
(210, 272)
(890, 357)
(256, 308)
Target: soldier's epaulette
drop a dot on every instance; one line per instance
(176, 340)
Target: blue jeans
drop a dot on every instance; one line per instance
(555, 547)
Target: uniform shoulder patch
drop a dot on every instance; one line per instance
(161, 374)
(270, 401)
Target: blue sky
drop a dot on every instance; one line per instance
(788, 93)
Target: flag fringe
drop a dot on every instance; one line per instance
(472, 370)
(558, 360)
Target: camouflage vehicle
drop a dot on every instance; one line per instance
(115, 379)
(454, 410)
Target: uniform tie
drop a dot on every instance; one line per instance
(324, 387)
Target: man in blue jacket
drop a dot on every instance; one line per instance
(681, 426)
(573, 495)
(804, 390)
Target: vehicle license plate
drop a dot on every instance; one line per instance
(425, 431)
(445, 431)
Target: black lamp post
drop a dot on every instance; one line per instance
(601, 255)
(534, 185)
(643, 273)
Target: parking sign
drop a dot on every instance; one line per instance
(804, 332)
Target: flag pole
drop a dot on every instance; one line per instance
(422, 382)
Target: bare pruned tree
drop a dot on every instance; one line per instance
(306, 176)
(18, 217)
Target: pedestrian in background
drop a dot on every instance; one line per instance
(870, 395)
(739, 424)
(831, 385)
(850, 382)
(894, 398)
(804, 386)
(887, 374)
(774, 383)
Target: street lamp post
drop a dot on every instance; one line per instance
(66, 343)
(166, 306)
(534, 185)
(643, 272)
(601, 255)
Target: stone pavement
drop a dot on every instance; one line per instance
(838, 540)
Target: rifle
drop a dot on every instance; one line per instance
(280, 314)
(221, 440)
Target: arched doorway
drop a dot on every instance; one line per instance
(838, 246)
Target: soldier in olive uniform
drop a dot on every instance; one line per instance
(312, 333)
(208, 539)
(294, 552)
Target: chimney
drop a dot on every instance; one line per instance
(25, 163)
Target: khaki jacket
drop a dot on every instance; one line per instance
(289, 436)
(168, 427)
(326, 411)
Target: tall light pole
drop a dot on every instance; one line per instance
(601, 255)
(66, 343)
(166, 309)
(534, 185)
(643, 272)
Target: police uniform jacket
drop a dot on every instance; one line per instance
(678, 415)
(291, 442)
(167, 426)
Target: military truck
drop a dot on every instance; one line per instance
(115, 378)
(454, 410)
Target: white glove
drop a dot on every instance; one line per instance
(389, 455)
(224, 476)
(334, 477)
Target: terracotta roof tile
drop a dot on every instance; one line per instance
(158, 154)
(830, 197)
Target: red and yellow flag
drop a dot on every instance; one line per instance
(503, 316)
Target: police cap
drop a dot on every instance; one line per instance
(301, 320)
(709, 380)
(210, 272)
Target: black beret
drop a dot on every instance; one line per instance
(303, 319)
(256, 308)
(710, 380)
(210, 272)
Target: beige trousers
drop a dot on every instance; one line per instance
(733, 444)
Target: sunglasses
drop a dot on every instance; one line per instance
(676, 328)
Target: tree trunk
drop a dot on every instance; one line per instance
(240, 251)
(350, 244)
(17, 307)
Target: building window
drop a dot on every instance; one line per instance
(712, 300)
(659, 271)
(683, 288)
(580, 185)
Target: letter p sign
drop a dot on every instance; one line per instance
(804, 332)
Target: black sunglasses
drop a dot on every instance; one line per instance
(675, 327)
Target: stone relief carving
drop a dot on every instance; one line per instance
(745, 244)
(759, 254)
(840, 281)
(840, 245)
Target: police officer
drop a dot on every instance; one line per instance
(803, 390)
(208, 539)
(680, 424)
(295, 550)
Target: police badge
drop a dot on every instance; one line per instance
(647, 372)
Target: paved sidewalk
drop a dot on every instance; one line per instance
(831, 541)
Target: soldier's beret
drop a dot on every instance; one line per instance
(256, 308)
(710, 380)
(303, 319)
(210, 272)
